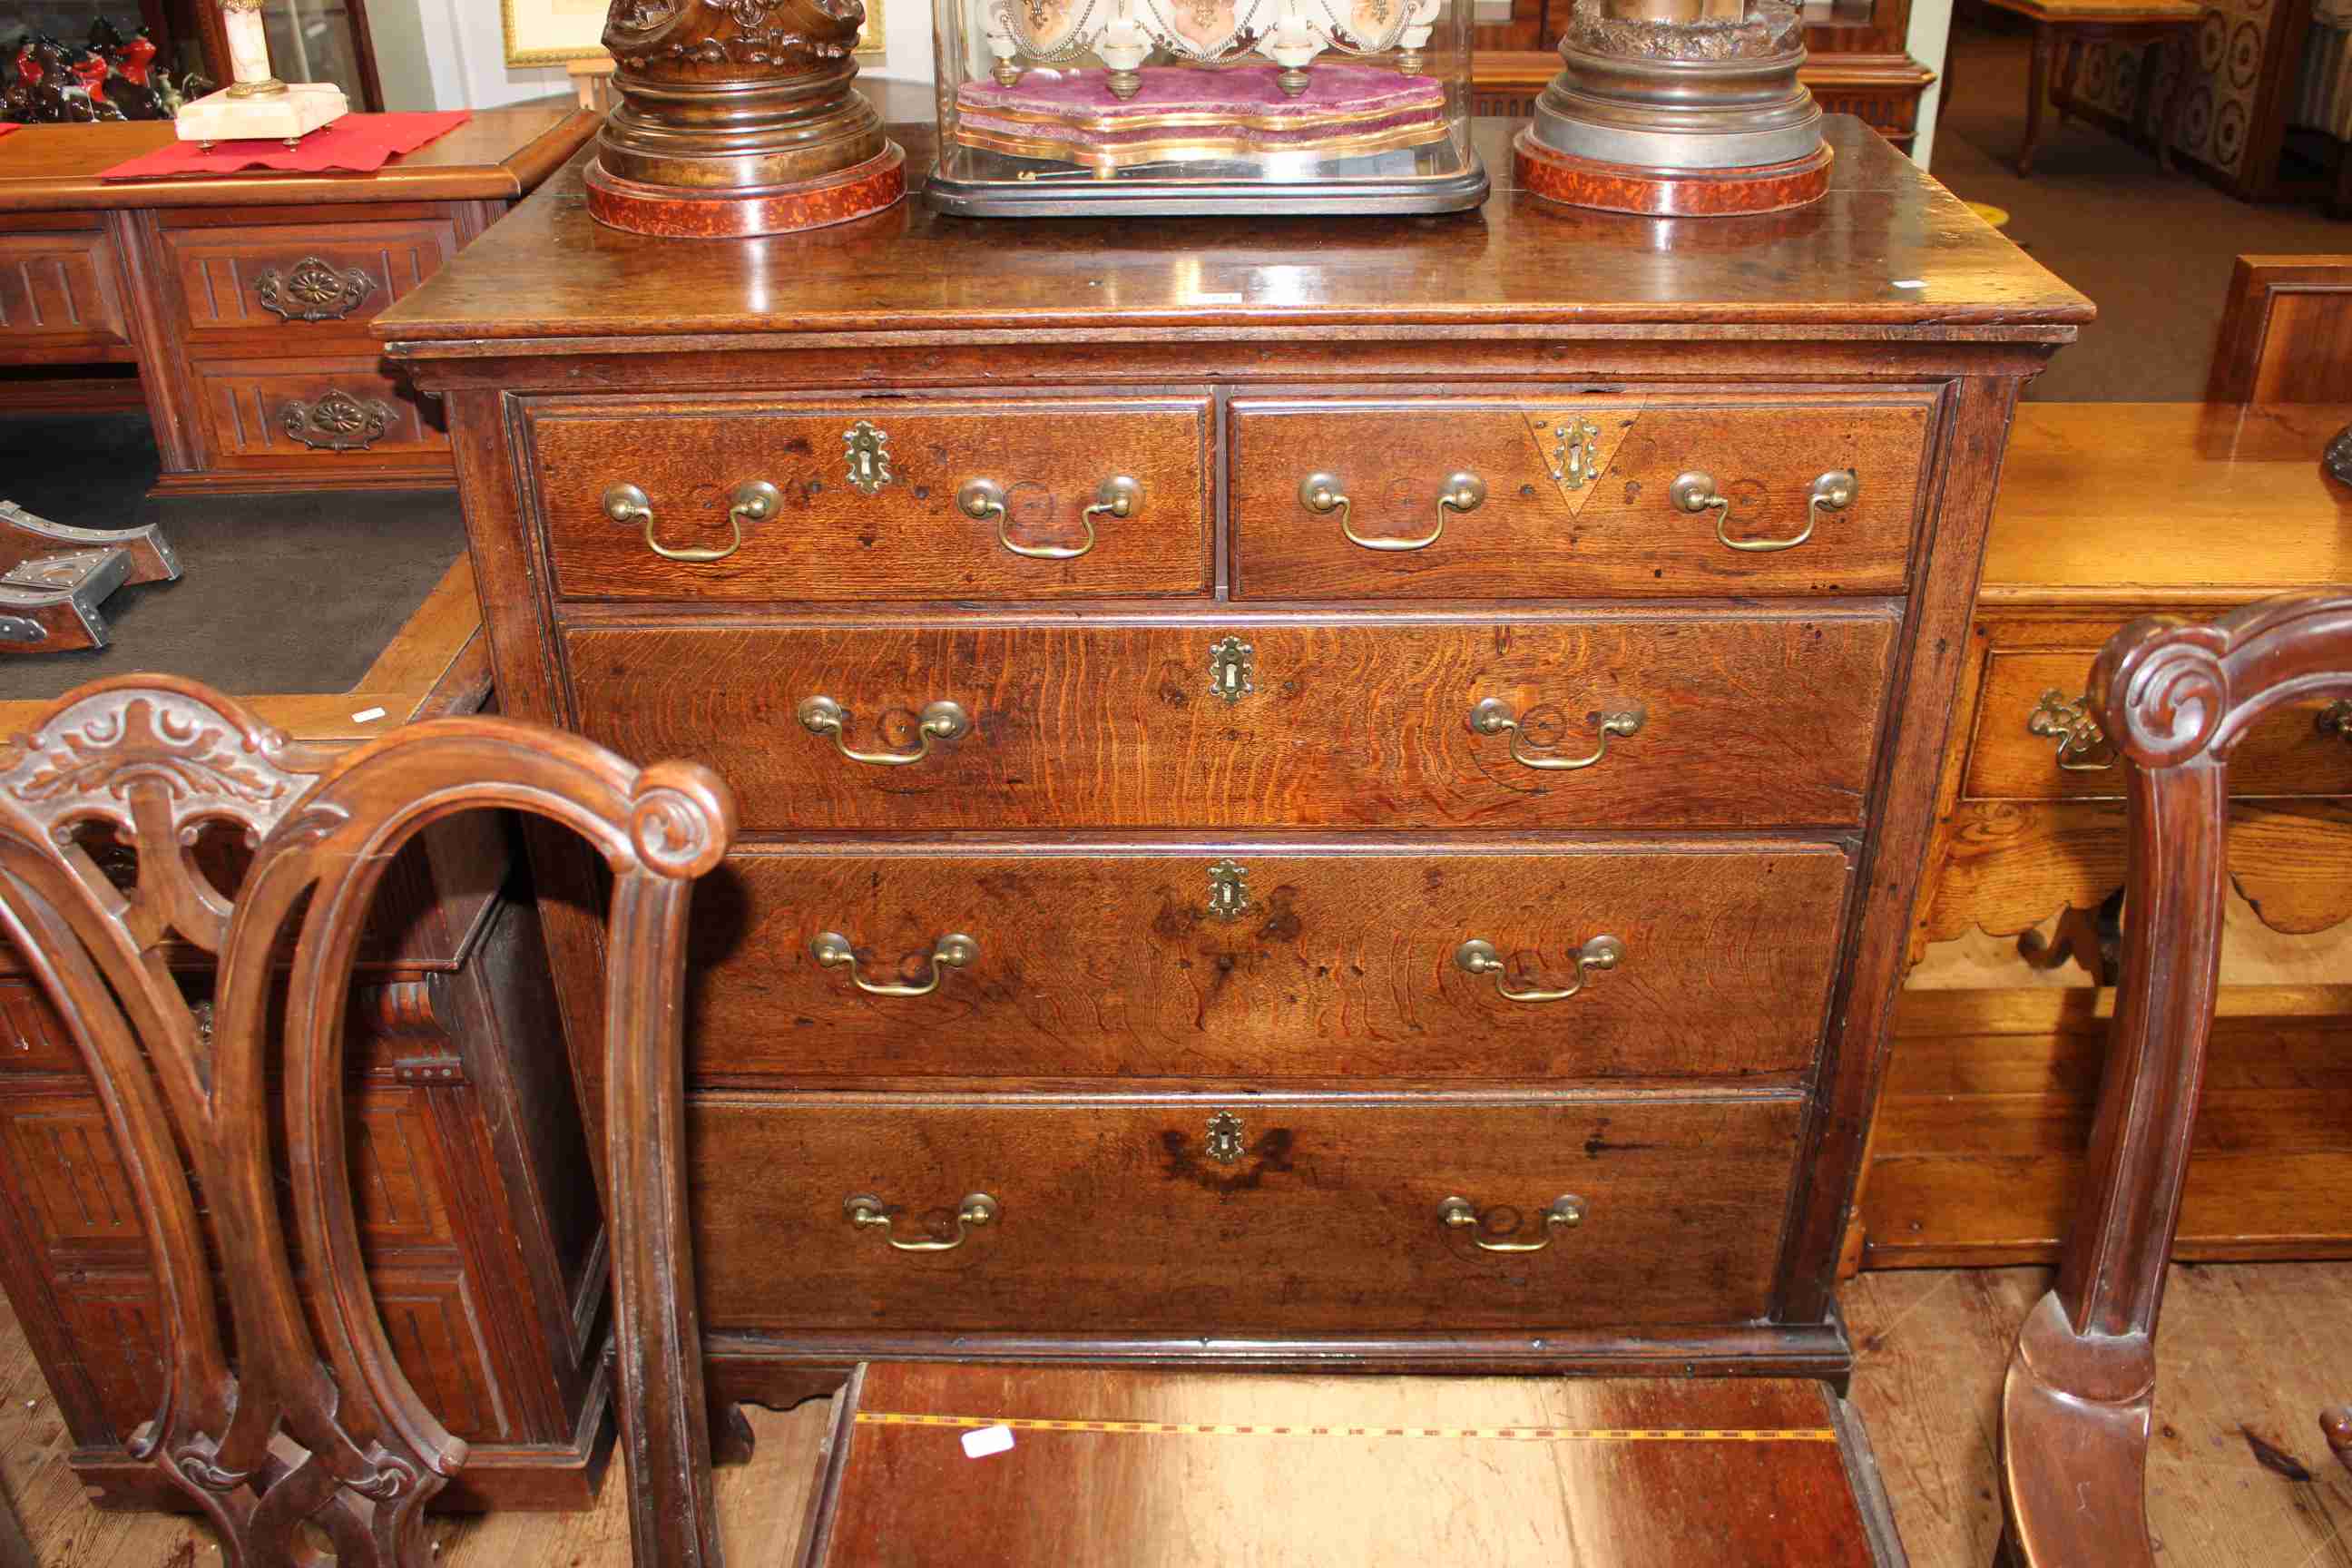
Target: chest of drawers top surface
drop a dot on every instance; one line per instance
(1886, 249)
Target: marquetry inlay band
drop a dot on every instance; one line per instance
(1503, 1434)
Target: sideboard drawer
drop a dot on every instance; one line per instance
(1574, 496)
(313, 412)
(293, 285)
(1719, 720)
(1308, 1216)
(1266, 961)
(2035, 740)
(897, 500)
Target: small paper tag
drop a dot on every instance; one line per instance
(1908, 283)
(365, 714)
(1207, 298)
(987, 1440)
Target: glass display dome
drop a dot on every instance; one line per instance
(1062, 107)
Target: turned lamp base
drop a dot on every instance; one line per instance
(675, 213)
(1667, 193)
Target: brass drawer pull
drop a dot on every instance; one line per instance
(1833, 492)
(2335, 720)
(977, 1209)
(1494, 717)
(832, 950)
(2070, 723)
(1322, 493)
(337, 421)
(756, 501)
(1567, 1212)
(1477, 957)
(1118, 495)
(312, 290)
(941, 721)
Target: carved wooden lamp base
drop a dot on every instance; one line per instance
(675, 213)
(1667, 193)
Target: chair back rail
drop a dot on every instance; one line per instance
(2176, 697)
(309, 1443)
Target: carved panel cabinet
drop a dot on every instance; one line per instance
(1342, 793)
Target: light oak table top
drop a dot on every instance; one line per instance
(497, 156)
(437, 663)
(2107, 13)
(2185, 504)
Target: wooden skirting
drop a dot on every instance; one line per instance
(1989, 1097)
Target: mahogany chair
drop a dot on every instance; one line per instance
(2175, 697)
(307, 1445)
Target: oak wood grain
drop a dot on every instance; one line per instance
(1353, 722)
(1115, 1218)
(1342, 966)
(1831, 269)
(1616, 532)
(910, 539)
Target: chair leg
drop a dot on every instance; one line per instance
(2075, 1418)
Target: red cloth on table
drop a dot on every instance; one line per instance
(6, 126)
(357, 143)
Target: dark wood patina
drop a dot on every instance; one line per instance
(297, 1431)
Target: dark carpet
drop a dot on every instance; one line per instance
(292, 593)
(2152, 250)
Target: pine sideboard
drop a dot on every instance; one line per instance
(1342, 793)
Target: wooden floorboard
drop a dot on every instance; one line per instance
(2246, 1348)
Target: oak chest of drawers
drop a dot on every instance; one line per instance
(1341, 793)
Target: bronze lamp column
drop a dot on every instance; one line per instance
(738, 116)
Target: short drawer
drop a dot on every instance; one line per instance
(1575, 497)
(299, 284)
(1266, 961)
(2035, 740)
(897, 499)
(1203, 1217)
(1685, 721)
(61, 296)
(314, 413)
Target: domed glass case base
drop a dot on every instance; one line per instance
(1063, 108)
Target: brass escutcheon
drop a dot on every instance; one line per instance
(1566, 1213)
(1232, 672)
(1479, 957)
(2336, 719)
(1226, 1138)
(867, 447)
(1228, 890)
(866, 1210)
(1576, 453)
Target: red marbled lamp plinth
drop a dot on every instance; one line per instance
(1672, 108)
(737, 117)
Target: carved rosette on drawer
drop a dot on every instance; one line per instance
(337, 421)
(312, 291)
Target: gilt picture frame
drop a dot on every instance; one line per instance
(558, 32)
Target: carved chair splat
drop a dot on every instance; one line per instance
(2176, 697)
(312, 1447)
